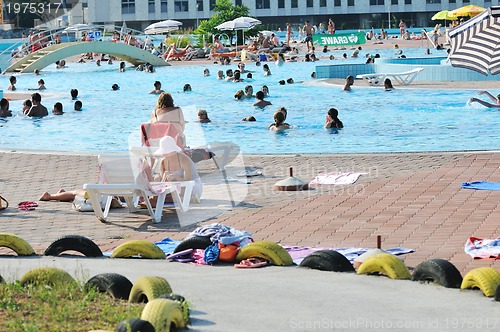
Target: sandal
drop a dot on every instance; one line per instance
(27, 206)
(252, 262)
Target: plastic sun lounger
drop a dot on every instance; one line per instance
(118, 178)
(405, 78)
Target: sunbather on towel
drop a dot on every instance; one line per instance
(496, 100)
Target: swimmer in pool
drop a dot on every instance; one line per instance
(332, 120)
(349, 81)
(249, 91)
(279, 124)
(4, 108)
(78, 106)
(260, 100)
(495, 100)
(157, 90)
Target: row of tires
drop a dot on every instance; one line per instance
(163, 309)
(83, 245)
(438, 271)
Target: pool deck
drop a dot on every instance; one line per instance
(412, 200)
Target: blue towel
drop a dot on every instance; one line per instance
(481, 185)
(167, 245)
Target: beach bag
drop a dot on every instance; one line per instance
(3, 203)
(227, 253)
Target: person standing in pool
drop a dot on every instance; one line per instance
(37, 110)
(349, 81)
(260, 100)
(157, 90)
(4, 108)
(332, 120)
(495, 100)
(279, 124)
(13, 81)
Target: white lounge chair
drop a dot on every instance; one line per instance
(405, 78)
(119, 177)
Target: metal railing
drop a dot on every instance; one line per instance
(41, 40)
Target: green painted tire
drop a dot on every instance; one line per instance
(146, 289)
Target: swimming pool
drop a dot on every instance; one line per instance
(402, 120)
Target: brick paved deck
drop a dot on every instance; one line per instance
(411, 199)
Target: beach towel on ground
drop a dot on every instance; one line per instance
(337, 178)
(298, 253)
(479, 248)
(481, 185)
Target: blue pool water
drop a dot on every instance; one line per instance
(375, 120)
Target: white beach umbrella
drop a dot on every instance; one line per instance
(241, 23)
(162, 27)
(251, 20)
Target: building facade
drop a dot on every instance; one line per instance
(274, 14)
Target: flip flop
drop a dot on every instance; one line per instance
(252, 262)
(27, 206)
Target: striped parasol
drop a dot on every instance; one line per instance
(475, 44)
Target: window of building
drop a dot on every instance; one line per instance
(322, 3)
(394, 2)
(164, 6)
(337, 3)
(452, 1)
(238, 2)
(377, 2)
(310, 3)
(151, 6)
(181, 6)
(407, 2)
(434, 1)
(262, 4)
(350, 3)
(466, 1)
(281, 3)
(128, 6)
(295, 4)
(212, 4)
(199, 5)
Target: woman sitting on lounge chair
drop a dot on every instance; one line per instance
(166, 112)
(177, 166)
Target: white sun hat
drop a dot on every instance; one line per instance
(167, 145)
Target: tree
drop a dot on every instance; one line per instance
(225, 11)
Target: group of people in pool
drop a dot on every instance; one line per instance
(280, 115)
(33, 107)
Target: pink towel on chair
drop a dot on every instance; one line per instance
(159, 130)
(338, 178)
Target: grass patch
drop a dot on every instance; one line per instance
(63, 308)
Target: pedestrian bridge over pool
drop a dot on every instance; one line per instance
(49, 55)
